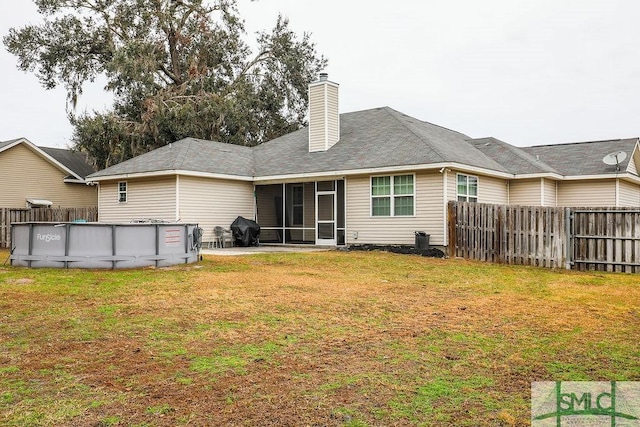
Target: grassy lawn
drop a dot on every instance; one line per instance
(320, 339)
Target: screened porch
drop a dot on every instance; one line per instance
(302, 213)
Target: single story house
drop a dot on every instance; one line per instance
(367, 177)
(32, 176)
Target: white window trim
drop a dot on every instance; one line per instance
(458, 195)
(392, 196)
(125, 192)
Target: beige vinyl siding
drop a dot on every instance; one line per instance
(549, 192)
(333, 115)
(26, 174)
(429, 216)
(316, 118)
(634, 161)
(323, 110)
(492, 190)
(146, 198)
(587, 193)
(214, 202)
(525, 192)
(629, 194)
(452, 185)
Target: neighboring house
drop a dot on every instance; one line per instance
(32, 176)
(367, 177)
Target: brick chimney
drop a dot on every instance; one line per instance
(324, 119)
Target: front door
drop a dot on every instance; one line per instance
(326, 213)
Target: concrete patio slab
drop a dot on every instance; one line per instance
(262, 249)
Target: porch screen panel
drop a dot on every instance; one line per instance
(340, 218)
(269, 212)
(326, 207)
(299, 216)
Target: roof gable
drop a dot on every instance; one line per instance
(72, 163)
(634, 162)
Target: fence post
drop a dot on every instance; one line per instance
(568, 238)
(452, 238)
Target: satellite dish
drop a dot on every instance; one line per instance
(614, 159)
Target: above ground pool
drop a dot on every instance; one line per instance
(100, 245)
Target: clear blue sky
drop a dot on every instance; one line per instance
(527, 72)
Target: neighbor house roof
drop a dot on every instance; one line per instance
(584, 158)
(74, 163)
(74, 160)
(4, 144)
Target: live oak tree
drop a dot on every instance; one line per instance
(176, 68)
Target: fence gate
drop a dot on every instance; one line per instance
(605, 239)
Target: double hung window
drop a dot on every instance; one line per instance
(122, 191)
(393, 195)
(467, 188)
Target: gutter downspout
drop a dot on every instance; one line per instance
(445, 197)
(178, 198)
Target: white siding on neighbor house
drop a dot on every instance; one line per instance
(587, 193)
(429, 207)
(212, 202)
(629, 194)
(25, 174)
(525, 192)
(549, 189)
(146, 198)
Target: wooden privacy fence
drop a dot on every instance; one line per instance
(607, 239)
(603, 239)
(9, 216)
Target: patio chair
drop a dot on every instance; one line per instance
(221, 237)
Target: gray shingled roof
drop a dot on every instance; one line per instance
(379, 137)
(516, 160)
(5, 143)
(188, 154)
(375, 138)
(583, 158)
(73, 160)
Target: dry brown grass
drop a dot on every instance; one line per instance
(311, 339)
